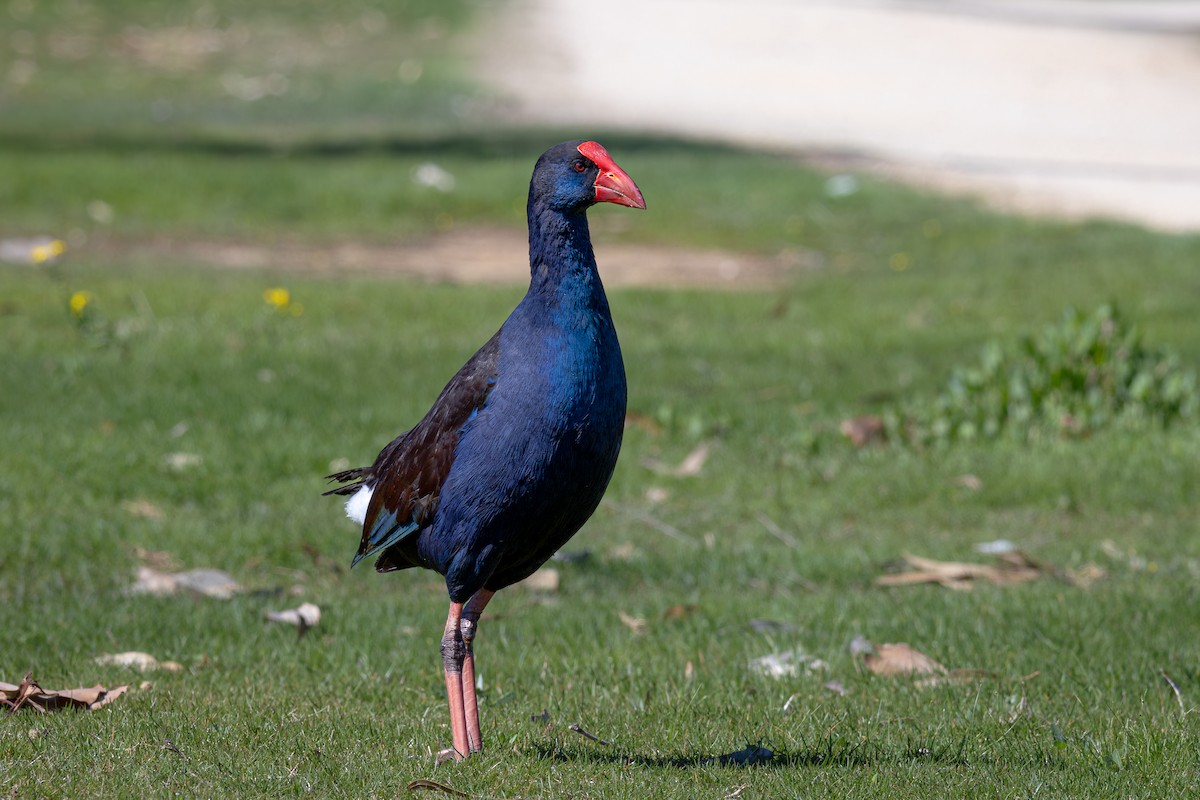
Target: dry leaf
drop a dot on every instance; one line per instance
(144, 509)
(969, 482)
(135, 659)
(623, 552)
(158, 559)
(1013, 567)
(1086, 575)
(545, 579)
(29, 695)
(680, 611)
(864, 430)
(206, 582)
(434, 786)
(691, 465)
(894, 659)
(306, 616)
(635, 624)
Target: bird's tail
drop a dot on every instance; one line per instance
(352, 478)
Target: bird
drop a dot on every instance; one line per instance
(520, 445)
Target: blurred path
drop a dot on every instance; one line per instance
(1071, 107)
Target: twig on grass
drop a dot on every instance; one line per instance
(574, 726)
(662, 527)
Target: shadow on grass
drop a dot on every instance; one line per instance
(509, 142)
(824, 754)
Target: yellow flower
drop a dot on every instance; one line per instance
(47, 252)
(79, 303)
(278, 298)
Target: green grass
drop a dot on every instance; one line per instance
(178, 358)
(1076, 706)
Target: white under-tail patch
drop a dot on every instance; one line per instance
(356, 506)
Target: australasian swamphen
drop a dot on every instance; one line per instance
(519, 447)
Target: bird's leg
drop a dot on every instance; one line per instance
(468, 627)
(453, 653)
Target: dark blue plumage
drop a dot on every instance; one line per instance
(519, 447)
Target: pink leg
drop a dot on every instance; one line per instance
(469, 626)
(453, 652)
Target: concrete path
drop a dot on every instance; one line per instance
(1068, 107)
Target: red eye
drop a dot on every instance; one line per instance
(579, 166)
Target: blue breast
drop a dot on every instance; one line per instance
(531, 466)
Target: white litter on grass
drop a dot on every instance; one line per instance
(208, 582)
(997, 547)
(35, 250)
(306, 615)
(787, 664)
(135, 659)
(432, 176)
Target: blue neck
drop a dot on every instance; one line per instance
(561, 262)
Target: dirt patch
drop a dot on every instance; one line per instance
(485, 255)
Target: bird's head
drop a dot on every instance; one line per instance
(571, 176)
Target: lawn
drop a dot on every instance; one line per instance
(179, 421)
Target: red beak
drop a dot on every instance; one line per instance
(613, 185)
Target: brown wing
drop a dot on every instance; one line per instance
(407, 476)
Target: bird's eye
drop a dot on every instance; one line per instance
(579, 166)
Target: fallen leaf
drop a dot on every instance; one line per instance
(29, 695)
(691, 465)
(134, 659)
(864, 430)
(680, 611)
(693, 462)
(969, 482)
(1086, 575)
(1013, 567)
(634, 419)
(545, 579)
(434, 786)
(626, 551)
(894, 658)
(305, 616)
(635, 624)
(144, 509)
(749, 757)
(207, 582)
(158, 559)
